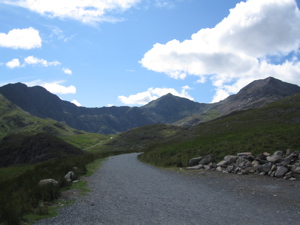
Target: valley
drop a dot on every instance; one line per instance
(44, 137)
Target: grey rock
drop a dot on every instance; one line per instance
(229, 169)
(197, 167)
(281, 171)
(230, 159)
(194, 161)
(244, 154)
(266, 167)
(287, 160)
(206, 160)
(222, 163)
(276, 157)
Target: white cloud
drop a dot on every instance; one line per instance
(21, 39)
(13, 63)
(86, 11)
(237, 50)
(153, 94)
(58, 88)
(54, 87)
(76, 102)
(31, 60)
(67, 71)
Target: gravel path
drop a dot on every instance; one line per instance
(126, 191)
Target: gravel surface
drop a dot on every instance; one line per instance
(126, 191)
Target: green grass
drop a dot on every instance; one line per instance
(271, 128)
(86, 140)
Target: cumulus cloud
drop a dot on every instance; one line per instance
(13, 63)
(28, 38)
(237, 50)
(67, 71)
(31, 60)
(76, 102)
(153, 94)
(58, 88)
(84, 11)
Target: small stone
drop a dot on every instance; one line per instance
(292, 178)
(229, 169)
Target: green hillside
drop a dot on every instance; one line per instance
(271, 128)
(14, 120)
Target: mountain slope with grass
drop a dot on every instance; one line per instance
(273, 127)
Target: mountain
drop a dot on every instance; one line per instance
(170, 108)
(167, 109)
(14, 120)
(257, 94)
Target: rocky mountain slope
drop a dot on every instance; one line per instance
(167, 109)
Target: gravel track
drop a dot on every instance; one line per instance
(126, 191)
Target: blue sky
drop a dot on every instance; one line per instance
(128, 52)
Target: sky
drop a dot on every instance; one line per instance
(100, 53)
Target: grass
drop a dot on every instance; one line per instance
(271, 128)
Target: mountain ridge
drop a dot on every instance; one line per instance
(166, 109)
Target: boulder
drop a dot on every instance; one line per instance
(222, 163)
(296, 171)
(276, 157)
(281, 171)
(240, 162)
(287, 160)
(194, 161)
(266, 167)
(206, 160)
(230, 159)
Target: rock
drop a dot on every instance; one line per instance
(219, 169)
(244, 154)
(266, 167)
(230, 159)
(194, 161)
(70, 176)
(240, 162)
(296, 172)
(292, 178)
(287, 160)
(276, 157)
(197, 167)
(281, 171)
(229, 169)
(207, 167)
(255, 163)
(206, 160)
(222, 163)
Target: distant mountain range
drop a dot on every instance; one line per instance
(167, 109)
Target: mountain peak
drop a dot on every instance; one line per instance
(258, 93)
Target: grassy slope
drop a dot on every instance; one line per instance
(271, 128)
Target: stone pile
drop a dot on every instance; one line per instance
(280, 165)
